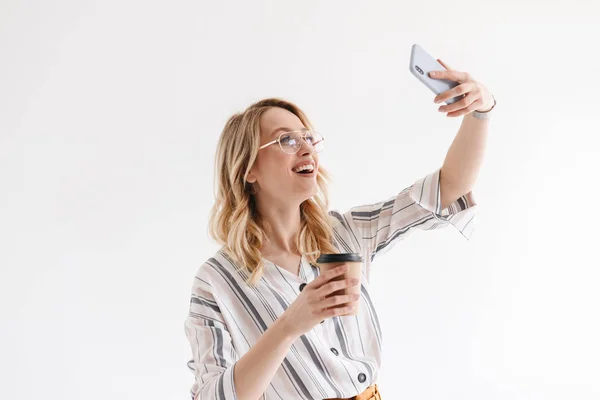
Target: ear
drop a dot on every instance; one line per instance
(251, 177)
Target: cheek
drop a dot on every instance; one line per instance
(275, 166)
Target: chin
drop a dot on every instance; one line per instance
(311, 194)
(306, 194)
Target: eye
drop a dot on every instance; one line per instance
(310, 138)
(287, 140)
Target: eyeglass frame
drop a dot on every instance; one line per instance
(302, 136)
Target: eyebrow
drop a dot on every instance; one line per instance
(286, 129)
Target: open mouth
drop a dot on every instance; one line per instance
(305, 170)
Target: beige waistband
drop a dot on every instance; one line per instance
(370, 393)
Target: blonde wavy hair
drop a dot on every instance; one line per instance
(234, 220)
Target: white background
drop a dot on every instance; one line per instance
(109, 116)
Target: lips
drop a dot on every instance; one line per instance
(303, 163)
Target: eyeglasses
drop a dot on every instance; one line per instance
(290, 142)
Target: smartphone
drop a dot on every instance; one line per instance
(421, 63)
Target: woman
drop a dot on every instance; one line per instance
(259, 324)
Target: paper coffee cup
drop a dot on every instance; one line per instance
(354, 261)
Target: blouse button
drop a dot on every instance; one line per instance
(302, 286)
(334, 351)
(362, 377)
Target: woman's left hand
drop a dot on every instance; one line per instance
(475, 96)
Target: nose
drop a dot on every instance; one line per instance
(306, 147)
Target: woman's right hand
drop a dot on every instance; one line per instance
(313, 306)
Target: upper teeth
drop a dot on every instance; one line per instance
(304, 167)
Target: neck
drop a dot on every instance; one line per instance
(284, 224)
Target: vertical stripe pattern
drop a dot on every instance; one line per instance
(338, 358)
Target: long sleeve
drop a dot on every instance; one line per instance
(418, 207)
(213, 354)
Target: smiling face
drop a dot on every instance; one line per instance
(274, 172)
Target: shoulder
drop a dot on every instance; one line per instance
(344, 232)
(217, 269)
(337, 220)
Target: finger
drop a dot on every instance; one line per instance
(454, 92)
(334, 286)
(458, 105)
(332, 312)
(327, 276)
(466, 104)
(451, 75)
(444, 64)
(467, 110)
(337, 300)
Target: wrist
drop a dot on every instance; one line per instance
(483, 115)
(489, 108)
(485, 111)
(286, 328)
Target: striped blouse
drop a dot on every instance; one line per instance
(338, 358)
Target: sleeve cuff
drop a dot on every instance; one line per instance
(461, 213)
(226, 385)
(219, 387)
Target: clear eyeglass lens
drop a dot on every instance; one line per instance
(292, 141)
